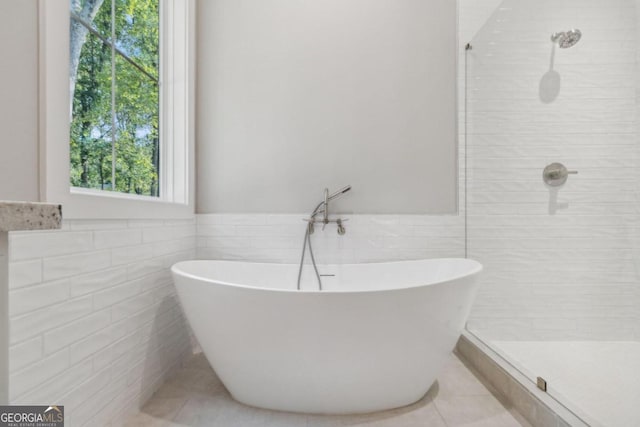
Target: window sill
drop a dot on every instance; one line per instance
(91, 204)
(114, 194)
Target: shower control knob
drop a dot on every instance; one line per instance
(556, 174)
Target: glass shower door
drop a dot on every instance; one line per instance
(551, 85)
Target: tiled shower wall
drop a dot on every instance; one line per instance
(558, 265)
(95, 323)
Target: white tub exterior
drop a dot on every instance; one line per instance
(375, 338)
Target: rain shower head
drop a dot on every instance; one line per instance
(567, 39)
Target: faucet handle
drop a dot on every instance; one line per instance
(556, 174)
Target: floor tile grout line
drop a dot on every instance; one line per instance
(435, 405)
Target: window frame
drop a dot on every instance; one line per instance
(177, 123)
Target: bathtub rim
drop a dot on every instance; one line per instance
(475, 268)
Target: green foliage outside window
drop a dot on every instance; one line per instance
(115, 140)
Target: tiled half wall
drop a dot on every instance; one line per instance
(95, 323)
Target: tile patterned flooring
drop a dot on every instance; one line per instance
(196, 397)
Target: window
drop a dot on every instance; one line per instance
(117, 111)
(114, 83)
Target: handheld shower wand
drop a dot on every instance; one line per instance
(340, 192)
(325, 204)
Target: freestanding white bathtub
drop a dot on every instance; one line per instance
(375, 338)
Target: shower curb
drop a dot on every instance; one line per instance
(512, 387)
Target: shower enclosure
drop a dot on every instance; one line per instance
(554, 84)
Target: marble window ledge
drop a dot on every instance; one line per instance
(20, 216)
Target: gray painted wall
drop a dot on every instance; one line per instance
(19, 100)
(298, 95)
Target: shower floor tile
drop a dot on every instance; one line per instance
(598, 380)
(195, 397)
